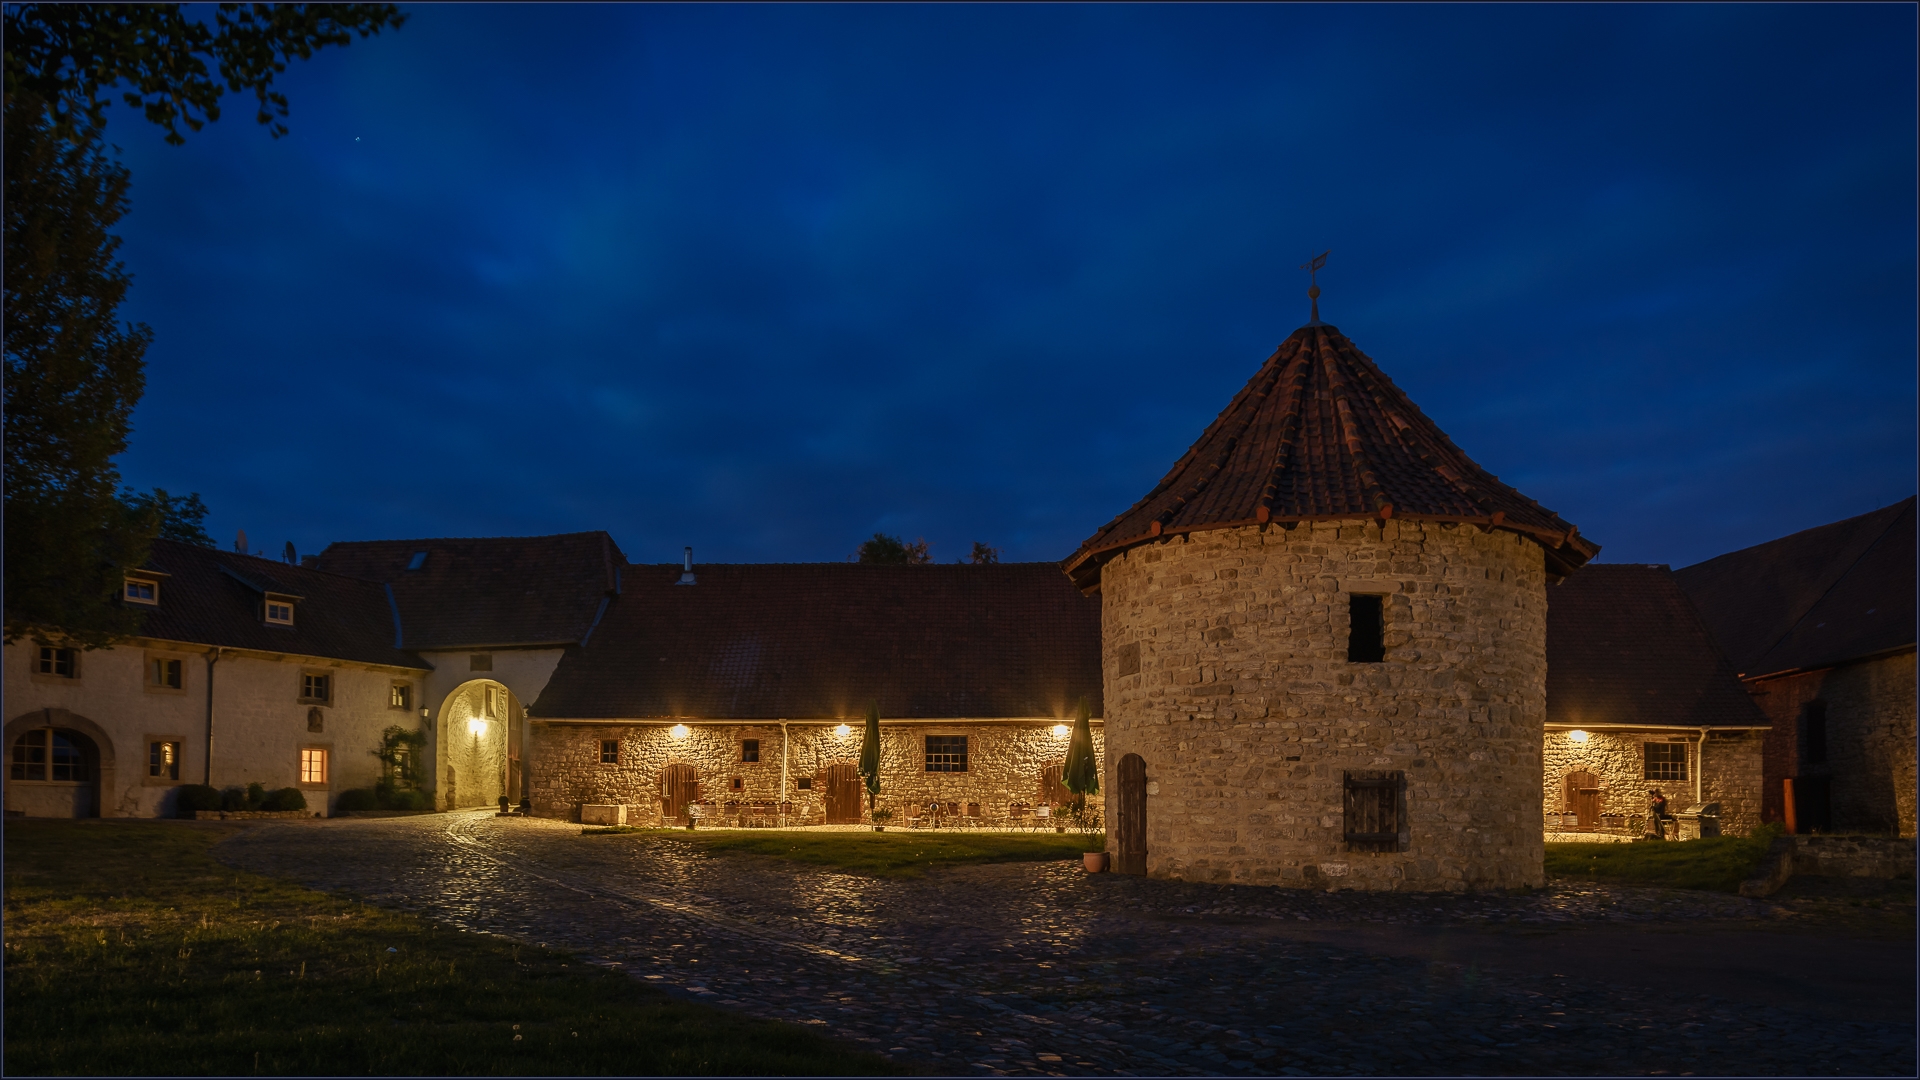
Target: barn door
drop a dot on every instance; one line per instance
(1583, 798)
(842, 783)
(679, 785)
(1131, 830)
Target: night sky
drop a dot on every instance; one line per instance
(765, 280)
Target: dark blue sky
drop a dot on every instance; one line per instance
(767, 279)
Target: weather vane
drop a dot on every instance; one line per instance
(1312, 266)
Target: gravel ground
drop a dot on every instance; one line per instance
(1042, 969)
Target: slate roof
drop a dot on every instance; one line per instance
(1816, 598)
(1626, 646)
(212, 597)
(1320, 433)
(485, 592)
(819, 640)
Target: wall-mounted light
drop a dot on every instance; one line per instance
(1060, 731)
(1577, 736)
(477, 726)
(843, 731)
(680, 731)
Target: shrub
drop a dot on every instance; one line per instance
(233, 798)
(357, 799)
(196, 797)
(256, 795)
(408, 800)
(285, 798)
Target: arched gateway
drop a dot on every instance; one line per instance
(1326, 629)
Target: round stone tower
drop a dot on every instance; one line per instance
(1324, 645)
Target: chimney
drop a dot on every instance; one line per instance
(686, 575)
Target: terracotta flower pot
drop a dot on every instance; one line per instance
(1096, 861)
(879, 828)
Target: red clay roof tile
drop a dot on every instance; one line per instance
(1320, 433)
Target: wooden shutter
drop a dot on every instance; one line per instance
(1376, 810)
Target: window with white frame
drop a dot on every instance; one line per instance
(57, 662)
(1666, 760)
(142, 591)
(316, 687)
(166, 673)
(279, 610)
(400, 696)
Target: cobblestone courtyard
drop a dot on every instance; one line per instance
(1039, 968)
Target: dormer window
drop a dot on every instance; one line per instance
(142, 591)
(419, 560)
(279, 610)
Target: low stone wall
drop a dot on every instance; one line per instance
(1852, 856)
(252, 815)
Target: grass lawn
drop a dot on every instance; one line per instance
(130, 951)
(1719, 863)
(887, 854)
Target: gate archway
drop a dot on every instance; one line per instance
(478, 738)
(73, 775)
(1130, 830)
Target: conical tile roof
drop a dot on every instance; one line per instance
(1320, 434)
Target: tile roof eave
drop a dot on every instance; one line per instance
(1844, 661)
(1569, 725)
(177, 645)
(559, 643)
(1083, 567)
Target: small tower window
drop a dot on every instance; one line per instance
(279, 610)
(143, 591)
(609, 751)
(1366, 629)
(1816, 731)
(749, 749)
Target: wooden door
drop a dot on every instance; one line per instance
(1130, 833)
(1583, 799)
(1053, 785)
(679, 785)
(842, 794)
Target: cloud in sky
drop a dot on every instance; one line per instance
(767, 279)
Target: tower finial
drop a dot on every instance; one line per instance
(1312, 266)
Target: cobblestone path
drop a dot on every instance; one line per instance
(1039, 968)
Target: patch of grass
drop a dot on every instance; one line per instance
(888, 854)
(1718, 863)
(131, 951)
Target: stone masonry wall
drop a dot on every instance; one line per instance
(1005, 761)
(1870, 741)
(1618, 761)
(1246, 710)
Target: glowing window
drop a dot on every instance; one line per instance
(400, 696)
(163, 760)
(313, 765)
(166, 674)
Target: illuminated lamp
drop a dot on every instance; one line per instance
(1577, 736)
(477, 726)
(1060, 731)
(679, 731)
(843, 731)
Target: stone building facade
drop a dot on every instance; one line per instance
(1819, 625)
(213, 693)
(1640, 697)
(786, 771)
(1249, 714)
(1324, 645)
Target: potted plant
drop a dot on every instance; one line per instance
(880, 819)
(870, 753)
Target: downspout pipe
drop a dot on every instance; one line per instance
(212, 659)
(1700, 768)
(784, 785)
